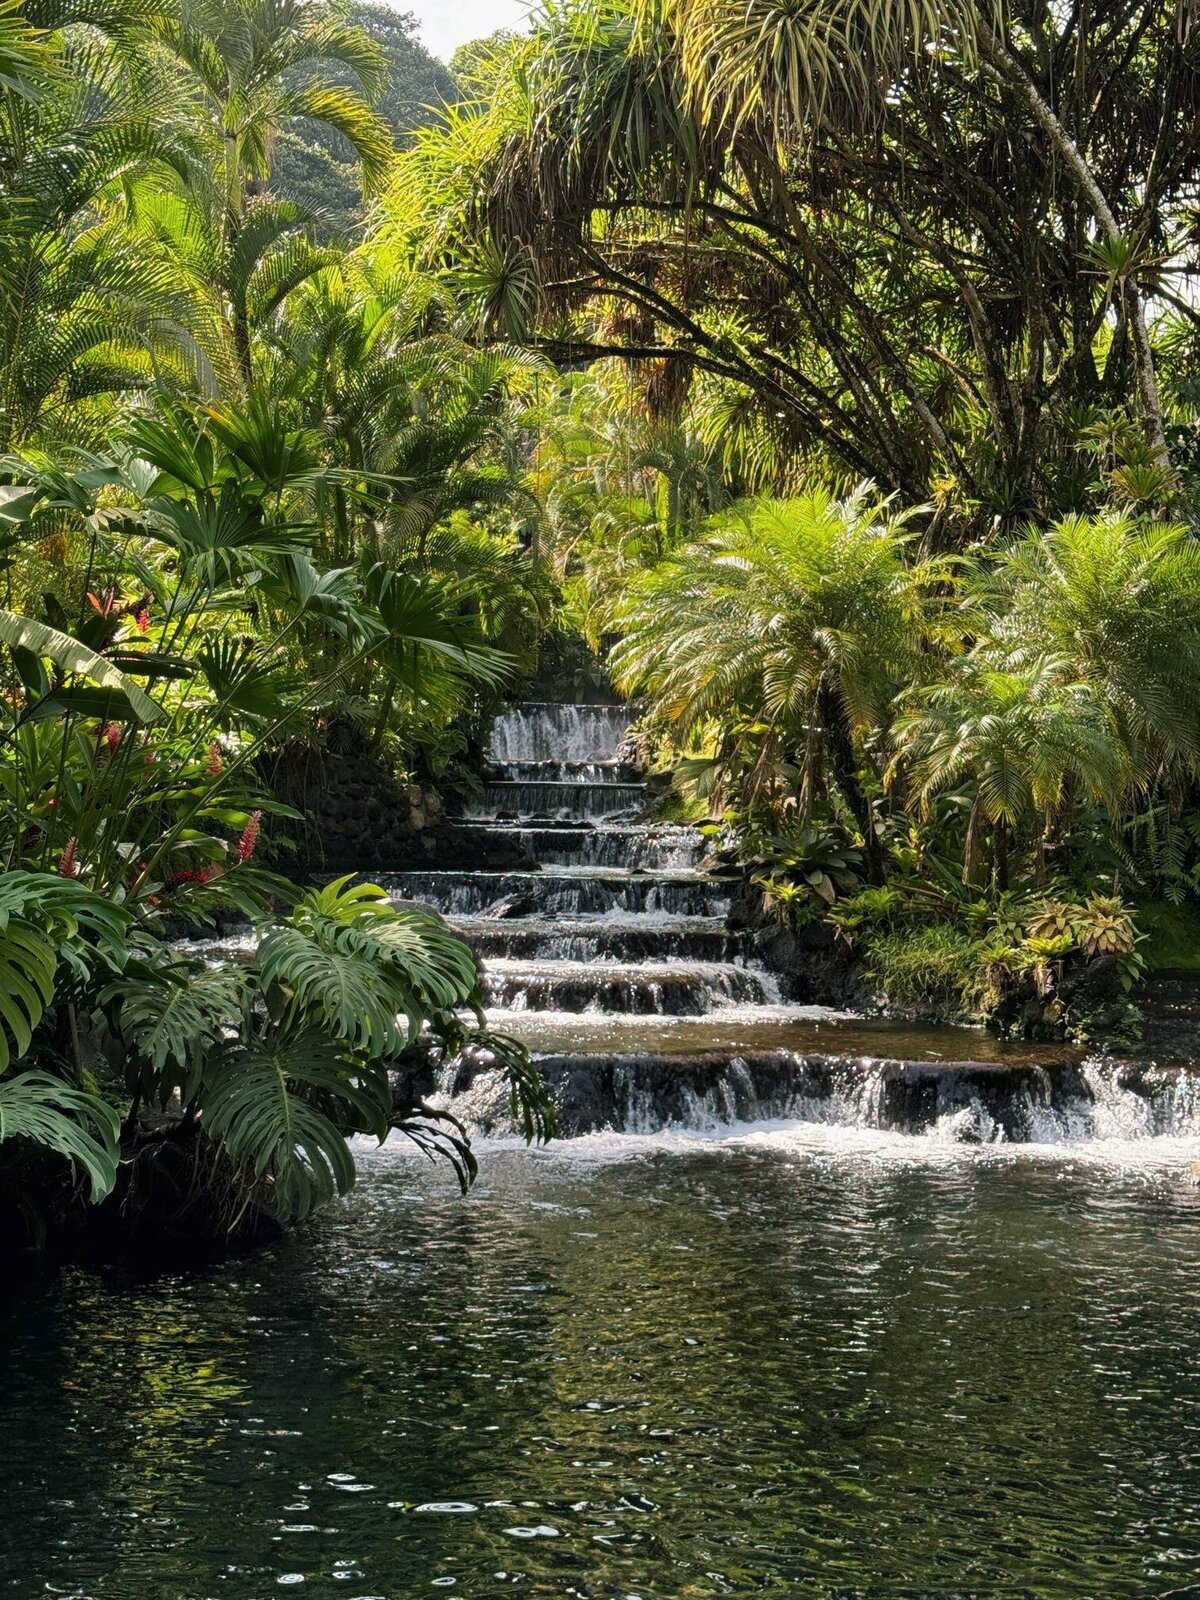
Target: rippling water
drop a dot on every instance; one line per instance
(655, 1368)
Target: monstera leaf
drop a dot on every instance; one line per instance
(273, 1105)
(70, 1122)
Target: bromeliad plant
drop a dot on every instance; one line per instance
(134, 716)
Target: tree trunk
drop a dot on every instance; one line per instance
(1000, 830)
(838, 743)
(1009, 71)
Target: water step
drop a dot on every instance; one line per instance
(566, 772)
(976, 1102)
(542, 731)
(523, 990)
(612, 938)
(762, 1026)
(505, 798)
(656, 847)
(551, 892)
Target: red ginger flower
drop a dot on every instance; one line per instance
(249, 838)
(68, 866)
(143, 620)
(214, 760)
(112, 736)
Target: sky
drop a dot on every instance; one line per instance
(445, 24)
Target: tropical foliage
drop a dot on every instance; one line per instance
(830, 370)
(258, 489)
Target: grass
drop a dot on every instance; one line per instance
(937, 966)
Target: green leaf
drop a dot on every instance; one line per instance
(171, 1015)
(257, 1103)
(73, 1123)
(25, 633)
(28, 962)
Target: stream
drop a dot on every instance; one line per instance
(805, 1305)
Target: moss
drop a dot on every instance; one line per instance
(1173, 936)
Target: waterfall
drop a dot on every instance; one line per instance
(613, 959)
(538, 731)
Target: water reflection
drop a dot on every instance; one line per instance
(700, 1372)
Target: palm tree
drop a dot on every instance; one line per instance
(1118, 599)
(254, 66)
(409, 413)
(90, 303)
(795, 619)
(1022, 738)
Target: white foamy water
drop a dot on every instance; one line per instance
(1176, 1157)
(535, 732)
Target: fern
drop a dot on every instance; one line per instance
(70, 1122)
(282, 1108)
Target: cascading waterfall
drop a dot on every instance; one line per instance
(614, 960)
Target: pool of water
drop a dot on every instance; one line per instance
(786, 1362)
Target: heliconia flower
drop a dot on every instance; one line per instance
(249, 838)
(68, 866)
(112, 736)
(143, 620)
(214, 760)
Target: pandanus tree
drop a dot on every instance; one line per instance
(795, 620)
(919, 236)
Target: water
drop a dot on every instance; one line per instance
(808, 1306)
(776, 1363)
(613, 958)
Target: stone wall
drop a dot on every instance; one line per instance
(357, 818)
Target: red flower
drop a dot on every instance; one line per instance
(112, 736)
(249, 838)
(68, 866)
(143, 620)
(214, 760)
